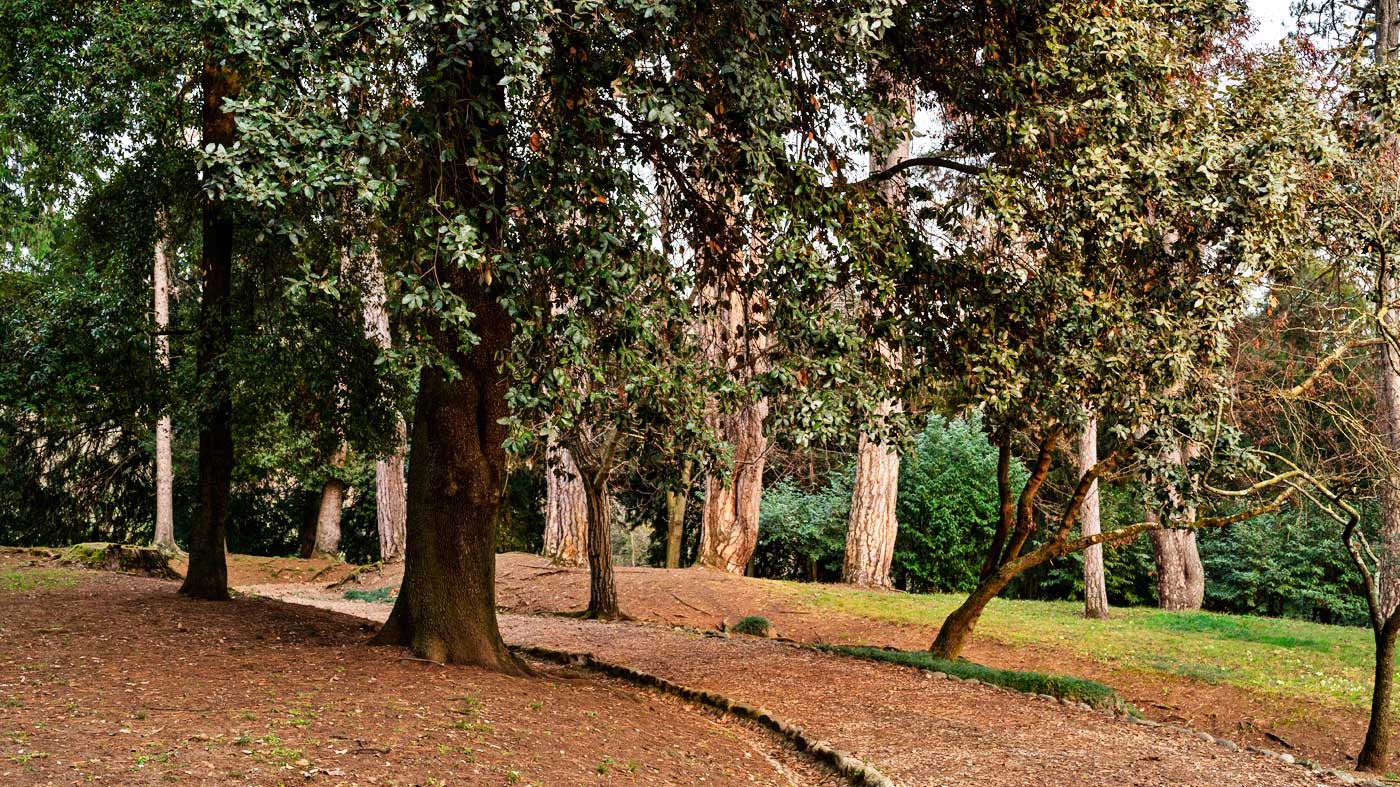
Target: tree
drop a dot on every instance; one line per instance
(164, 538)
(565, 509)
(1095, 588)
(1097, 252)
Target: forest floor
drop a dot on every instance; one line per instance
(113, 678)
(1167, 685)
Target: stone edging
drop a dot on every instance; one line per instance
(843, 763)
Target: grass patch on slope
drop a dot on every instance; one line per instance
(1289, 658)
(1075, 689)
(383, 595)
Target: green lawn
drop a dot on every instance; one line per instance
(1286, 657)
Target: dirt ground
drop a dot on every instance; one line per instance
(114, 679)
(916, 729)
(703, 599)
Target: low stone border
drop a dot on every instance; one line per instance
(843, 763)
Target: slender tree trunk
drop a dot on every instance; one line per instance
(207, 576)
(957, 627)
(390, 494)
(164, 538)
(566, 512)
(602, 586)
(329, 511)
(676, 499)
(1375, 752)
(872, 528)
(1095, 589)
(1385, 622)
(446, 608)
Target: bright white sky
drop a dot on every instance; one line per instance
(1274, 21)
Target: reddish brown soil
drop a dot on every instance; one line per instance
(115, 679)
(703, 599)
(916, 729)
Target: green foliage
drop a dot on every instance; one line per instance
(1070, 688)
(947, 506)
(385, 595)
(802, 535)
(753, 625)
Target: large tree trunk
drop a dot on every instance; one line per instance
(164, 538)
(1388, 418)
(676, 499)
(1180, 579)
(1095, 589)
(566, 511)
(446, 609)
(602, 585)
(328, 513)
(207, 576)
(390, 495)
(872, 528)
(1375, 752)
(729, 519)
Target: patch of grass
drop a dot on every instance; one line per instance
(1070, 688)
(28, 579)
(754, 625)
(379, 595)
(1293, 659)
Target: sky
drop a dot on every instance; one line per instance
(1274, 20)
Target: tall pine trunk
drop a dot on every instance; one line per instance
(676, 500)
(164, 538)
(1095, 587)
(446, 608)
(566, 511)
(729, 518)
(207, 576)
(390, 494)
(872, 528)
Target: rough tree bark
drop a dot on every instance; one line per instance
(207, 576)
(327, 543)
(602, 584)
(566, 509)
(164, 538)
(1181, 579)
(729, 518)
(1095, 588)
(676, 499)
(872, 527)
(390, 495)
(446, 608)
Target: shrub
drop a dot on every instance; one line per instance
(753, 625)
